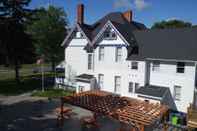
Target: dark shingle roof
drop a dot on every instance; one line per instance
(85, 76)
(122, 25)
(179, 44)
(150, 90)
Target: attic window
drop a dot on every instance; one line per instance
(79, 35)
(110, 35)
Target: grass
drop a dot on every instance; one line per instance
(29, 81)
(27, 84)
(25, 70)
(52, 93)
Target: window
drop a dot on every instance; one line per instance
(90, 61)
(137, 86)
(156, 66)
(118, 54)
(180, 67)
(130, 87)
(101, 80)
(101, 53)
(134, 65)
(177, 92)
(79, 35)
(109, 35)
(81, 89)
(117, 83)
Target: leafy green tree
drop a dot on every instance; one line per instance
(48, 31)
(15, 42)
(171, 24)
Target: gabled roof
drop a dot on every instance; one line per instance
(119, 22)
(174, 44)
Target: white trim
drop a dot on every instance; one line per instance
(109, 23)
(171, 60)
(149, 97)
(83, 33)
(70, 34)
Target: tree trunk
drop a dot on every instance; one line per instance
(17, 77)
(7, 63)
(53, 65)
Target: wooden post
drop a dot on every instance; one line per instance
(141, 127)
(62, 112)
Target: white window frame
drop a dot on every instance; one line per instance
(155, 66)
(130, 88)
(177, 95)
(134, 65)
(101, 53)
(136, 86)
(110, 35)
(101, 80)
(79, 35)
(90, 62)
(117, 83)
(118, 54)
(180, 67)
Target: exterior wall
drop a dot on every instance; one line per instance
(75, 58)
(76, 64)
(168, 77)
(86, 86)
(135, 76)
(109, 67)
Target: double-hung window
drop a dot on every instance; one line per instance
(156, 66)
(118, 54)
(177, 92)
(180, 67)
(130, 87)
(101, 53)
(137, 86)
(90, 61)
(101, 80)
(117, 83)
(134, 65)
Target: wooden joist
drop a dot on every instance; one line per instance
(124, 109)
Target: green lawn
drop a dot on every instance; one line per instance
(27, 84)
(25, 70)
(29, 80)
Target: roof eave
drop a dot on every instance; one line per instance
(109, 23)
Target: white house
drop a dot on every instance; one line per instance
(119, 55)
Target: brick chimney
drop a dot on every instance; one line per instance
(128, 15)
(80, 13)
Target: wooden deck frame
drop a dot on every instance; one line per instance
(126, 110)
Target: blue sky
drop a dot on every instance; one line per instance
(145, 11)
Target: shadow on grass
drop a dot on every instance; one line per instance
(27, 84)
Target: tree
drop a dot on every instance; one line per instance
(48, 31)
(15, 42)
(171, 24)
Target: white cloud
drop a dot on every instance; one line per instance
(141, 4)
(128, 4)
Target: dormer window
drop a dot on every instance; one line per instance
(79, 35)
(110, 35)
